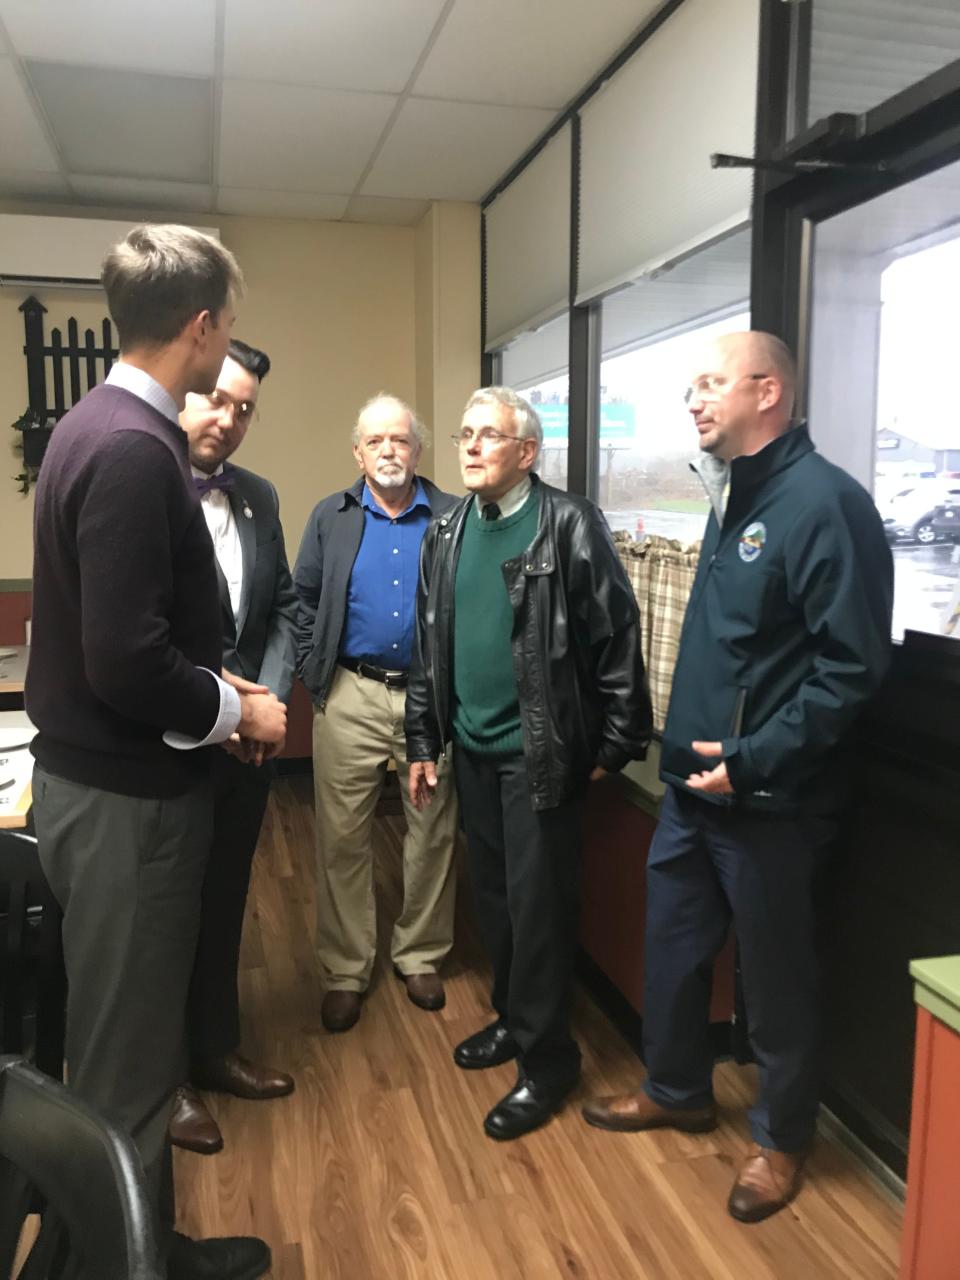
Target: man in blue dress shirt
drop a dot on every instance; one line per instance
(356, 578)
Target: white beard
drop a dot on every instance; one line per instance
(394, 478)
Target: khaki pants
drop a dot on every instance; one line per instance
(354, 737)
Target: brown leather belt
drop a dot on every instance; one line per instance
(369, 671)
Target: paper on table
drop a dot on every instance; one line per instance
(16, 767)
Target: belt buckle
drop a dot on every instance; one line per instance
(394, 679)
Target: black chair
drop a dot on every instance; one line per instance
(33, 984)
(95, 1222)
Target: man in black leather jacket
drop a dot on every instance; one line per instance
(527, 657)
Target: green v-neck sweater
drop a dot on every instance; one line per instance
(486, 710)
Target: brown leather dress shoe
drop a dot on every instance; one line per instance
(633, 1112)
(192, 1127)
(767, 1181)
(340, 1009)
(424, 989)
(244, 1079)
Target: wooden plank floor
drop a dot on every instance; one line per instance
(377, 1168)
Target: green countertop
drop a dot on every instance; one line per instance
(937, 987)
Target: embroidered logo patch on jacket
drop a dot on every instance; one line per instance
(752, 541)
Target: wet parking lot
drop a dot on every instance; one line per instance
(925, 577)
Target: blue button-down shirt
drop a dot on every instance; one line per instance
(383, 585)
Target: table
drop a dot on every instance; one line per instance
(13, 667)
(16, 767)
(931, 1229)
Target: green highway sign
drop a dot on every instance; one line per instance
(617, 423)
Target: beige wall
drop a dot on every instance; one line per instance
(448, 325)
(344, 310)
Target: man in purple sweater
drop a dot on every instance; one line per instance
(125, 691)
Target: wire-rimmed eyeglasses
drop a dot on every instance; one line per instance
(712, 385)
(486, 437)
(243, 410)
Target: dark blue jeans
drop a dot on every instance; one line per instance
(709, 865)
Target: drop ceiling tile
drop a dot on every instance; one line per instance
(281, 204)
(20, 184)
(175, 36)
(452, 150)
(544, 51)
(385, 211)
(127, 124)
(187, 196)
(336, 44)
(23, 143)
(295, 138)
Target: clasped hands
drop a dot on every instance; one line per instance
(263, 722)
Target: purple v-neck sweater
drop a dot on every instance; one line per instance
(125, 602)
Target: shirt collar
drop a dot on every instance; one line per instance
(140, 384)
(205, 475)
(512, 500)
(419, 499)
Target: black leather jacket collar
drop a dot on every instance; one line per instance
(576, 647)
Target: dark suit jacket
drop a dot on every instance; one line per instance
(261, 644)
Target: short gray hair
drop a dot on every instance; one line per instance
(420, 432)
(158, 277)
(525, 417)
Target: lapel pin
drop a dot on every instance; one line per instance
(247, 512)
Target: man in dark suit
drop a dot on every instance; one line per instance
(258, 612)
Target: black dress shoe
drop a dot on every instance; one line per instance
(527, 1106)
(487, 1048)
(233, 1258)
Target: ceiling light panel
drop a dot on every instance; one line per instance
(126, 124)
(176, 36)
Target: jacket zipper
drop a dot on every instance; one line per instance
(435, 682)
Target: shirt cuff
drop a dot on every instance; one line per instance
(227, 720)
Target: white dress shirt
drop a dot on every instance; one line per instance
(512, 500)
(225, 537)
(140, 384)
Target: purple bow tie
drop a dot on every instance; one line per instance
(205, 484)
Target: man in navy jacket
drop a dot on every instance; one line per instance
(786, 636)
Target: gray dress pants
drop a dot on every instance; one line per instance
(128, 874)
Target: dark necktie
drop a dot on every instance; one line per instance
(491, 511)
(204, 484)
